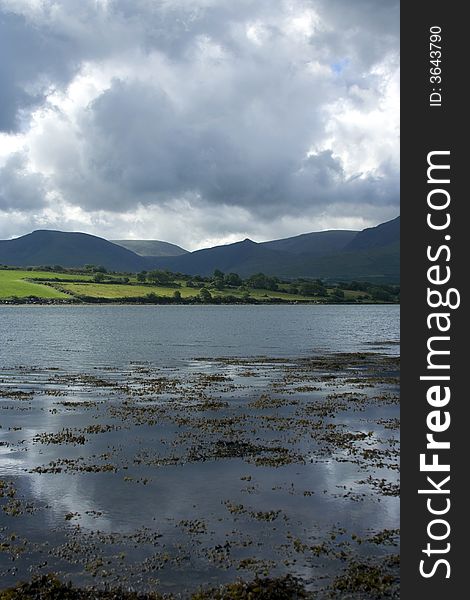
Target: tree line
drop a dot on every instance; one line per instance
(220, 281)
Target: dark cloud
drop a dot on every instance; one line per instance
(32, 59)
(19, 189)
(261, 111)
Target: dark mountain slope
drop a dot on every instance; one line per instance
(375, 237)
(315, 244)
(377, 264)
(244, 258)
(45, 247)
(151, 247)
(333, 255)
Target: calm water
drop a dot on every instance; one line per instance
(194, 445)
(84, 336)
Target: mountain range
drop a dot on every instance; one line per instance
(151, 247)
(372, 254)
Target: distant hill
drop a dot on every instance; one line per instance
(381, 264)
(151, 247)
(46, 247)
(372, 254)
(376, 258)
(376, 237)
(318, 243)
(245, 258)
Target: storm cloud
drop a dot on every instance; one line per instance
(198, 121)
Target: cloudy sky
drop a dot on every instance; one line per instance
(198, 121)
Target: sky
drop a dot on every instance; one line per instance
(198, 122)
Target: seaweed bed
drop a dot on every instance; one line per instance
(228, 478)
(362, 578)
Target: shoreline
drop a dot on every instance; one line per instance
(170, 302)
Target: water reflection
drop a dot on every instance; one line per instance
(245, 454)
(163, 462)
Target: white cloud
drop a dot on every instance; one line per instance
(199, 121)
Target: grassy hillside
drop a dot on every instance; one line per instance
(111, 291)
(13, 283)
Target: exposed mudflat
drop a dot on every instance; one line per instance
(173, 479)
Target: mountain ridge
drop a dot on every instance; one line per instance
(151, 247)
(378, 236)
(336, 254)
(69, 249)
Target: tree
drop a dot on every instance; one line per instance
(218, 284)
(381, 294)
(233, 279)
(312, 288)
(177, 295)
(142, 276)
(218, 274)
(153, 276)
(262, 281)
(337, 293)
(159, 277)
(205, 295)
(98, 277)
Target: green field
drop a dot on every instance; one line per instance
(109, 290)
(18, 284)
(52, 275)
(12, 283)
